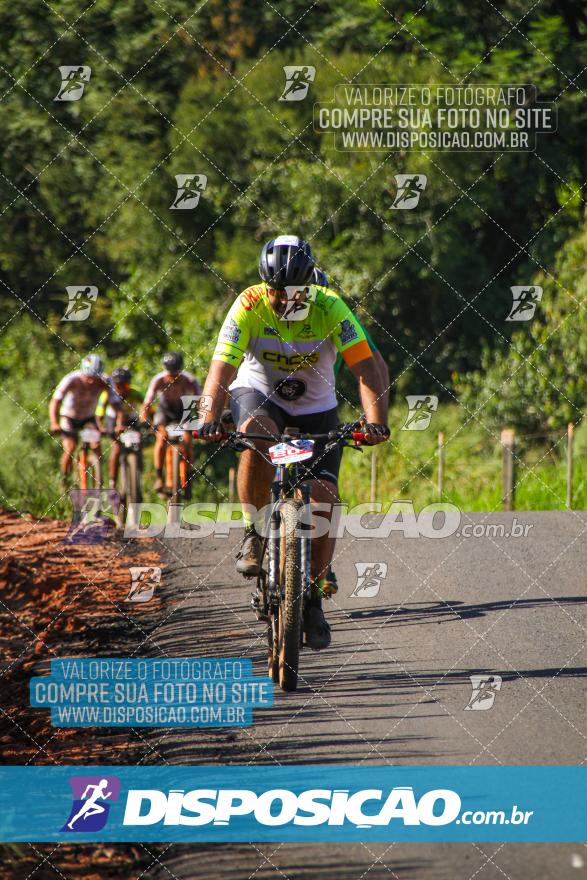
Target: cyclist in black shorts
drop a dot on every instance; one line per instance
(275, 355)
(168, 387)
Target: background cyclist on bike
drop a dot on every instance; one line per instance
(73, 407)
(282, 337)
(116, 419)
(168, 387)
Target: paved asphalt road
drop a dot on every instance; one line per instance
(393, 687)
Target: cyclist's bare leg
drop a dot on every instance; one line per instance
(114, 460)
(254, 479)
(188, 446)
(187, 456)
(69, 444)
(255, 471)
(323, 492)
(159, 448)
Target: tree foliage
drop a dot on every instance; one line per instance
(177, 87)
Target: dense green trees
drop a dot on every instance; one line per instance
(177, 87)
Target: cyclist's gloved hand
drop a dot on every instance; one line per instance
(212, 431)
(376, 432)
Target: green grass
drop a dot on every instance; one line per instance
(406, 467)
(29, 462)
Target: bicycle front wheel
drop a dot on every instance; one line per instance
(291, 606)
(175, 474)
(133, 485)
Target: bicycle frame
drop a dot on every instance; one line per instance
(176, 458)
(286, 483)
(285, 585)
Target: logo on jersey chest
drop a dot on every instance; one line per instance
(290, 389)
(289, 362)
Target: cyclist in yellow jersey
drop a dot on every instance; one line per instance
(275, 355)
(116, 419)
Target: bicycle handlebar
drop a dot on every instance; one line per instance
(343, 432)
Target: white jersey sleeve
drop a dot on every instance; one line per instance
(152, 389)
(63, 386)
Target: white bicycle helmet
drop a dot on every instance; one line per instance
(92, 365)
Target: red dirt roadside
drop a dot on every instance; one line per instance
(66, 600)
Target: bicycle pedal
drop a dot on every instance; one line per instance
(257, 607)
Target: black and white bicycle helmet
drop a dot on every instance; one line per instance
(121, 375)
(286, 261)
(92, 365)
(173, 361)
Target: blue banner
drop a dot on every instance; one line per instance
(294, 803)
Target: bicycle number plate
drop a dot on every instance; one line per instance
(89, 435)
(130, 438)
(174, 430)
(295, 450)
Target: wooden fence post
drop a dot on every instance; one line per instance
(508, 483)
(570, 434)
(440, 464)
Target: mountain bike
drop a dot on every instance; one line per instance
(177, 463)
(284, 584)
(130, 471)
(89, 461)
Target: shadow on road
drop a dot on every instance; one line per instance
(454, 609)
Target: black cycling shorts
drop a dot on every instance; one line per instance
(74, 426)
(248, 402)
(167, 414)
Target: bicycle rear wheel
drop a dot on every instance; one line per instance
(94, 470)
(175, 474)
(123, 494)
(290, 611)
(133, 479)
(273, 646)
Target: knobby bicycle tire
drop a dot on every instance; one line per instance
(94, 469)
(290, 612)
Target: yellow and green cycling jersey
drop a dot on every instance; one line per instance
(291, 362)
(130, 405)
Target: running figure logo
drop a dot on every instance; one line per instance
(525, 300)
(144, 580)
(92, 796)
(191, 419)
(189, 189)
(90, 523)
(73, 81)
(297, 82)
(421, 407)
(409, 189)
(80, 302)
(485, 687)
(369, 577)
